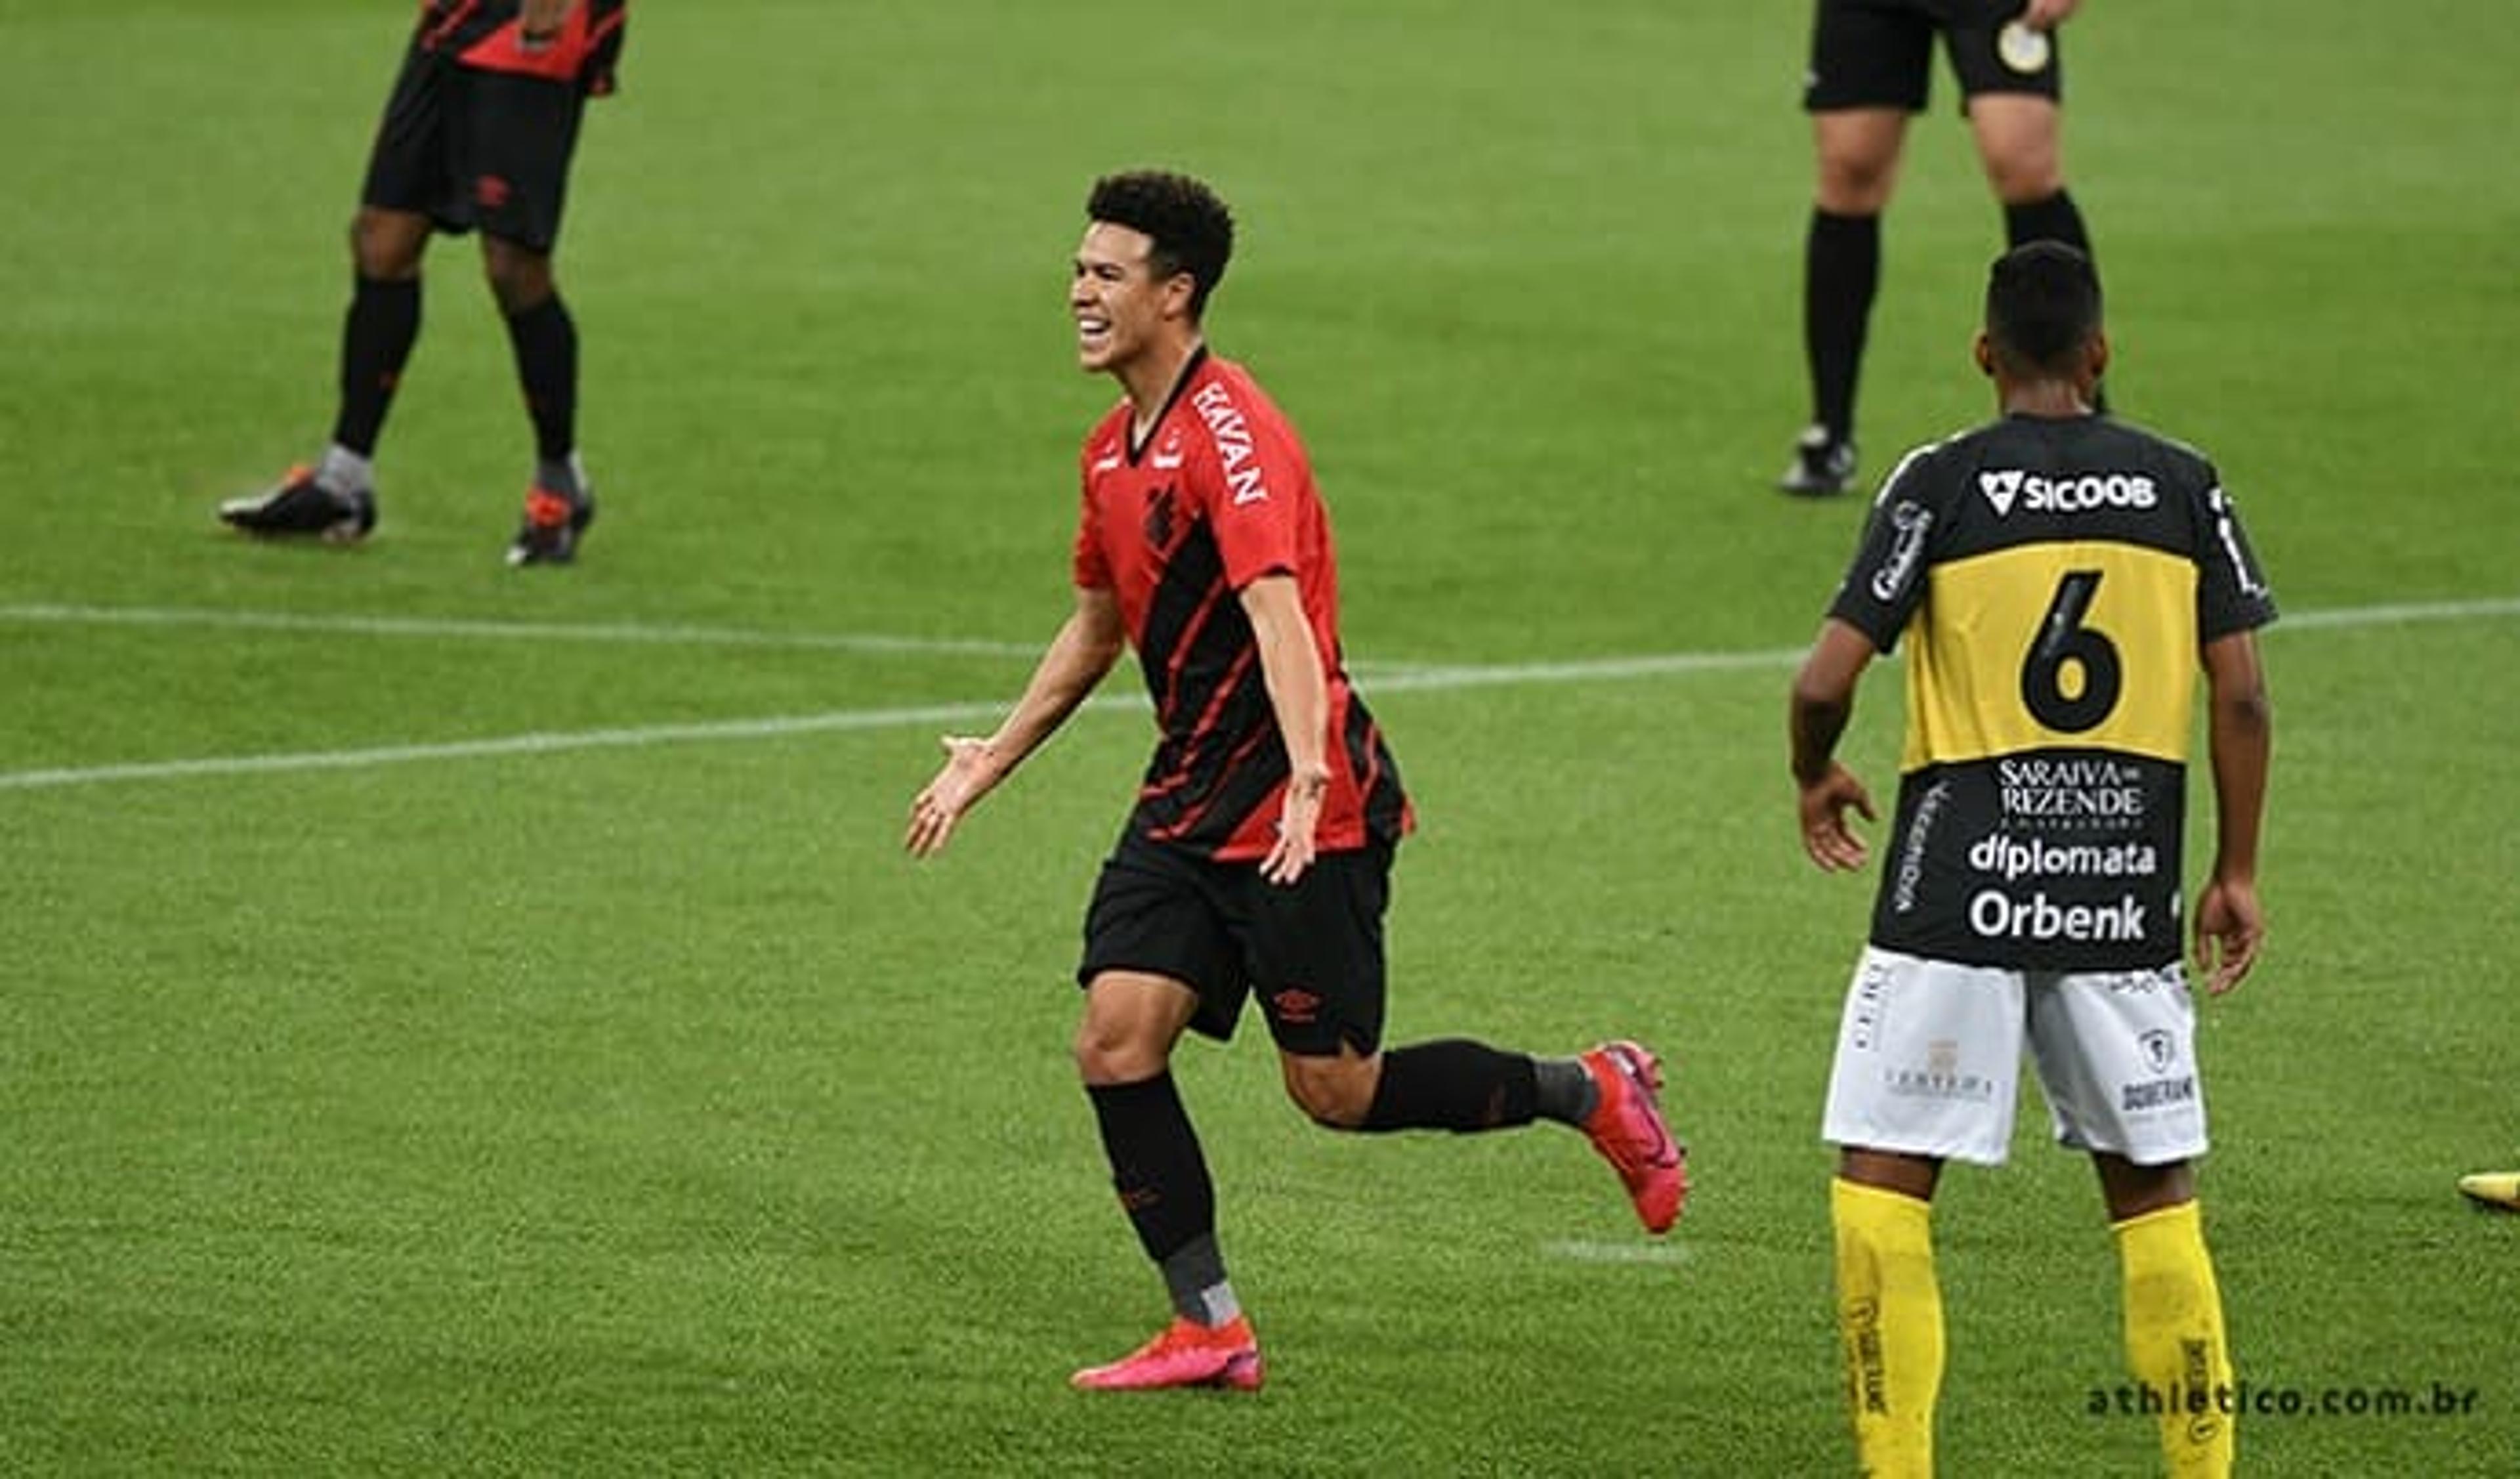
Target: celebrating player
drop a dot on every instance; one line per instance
(2058, 578)
(1257, 858)
(478, 133)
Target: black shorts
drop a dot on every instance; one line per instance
(1880, 53)
(1312, 953)
(469, 147)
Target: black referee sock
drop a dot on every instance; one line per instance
(544, 339)
(2053, 219)
(1841, 270)
(1453, 1083)
(1157, 1166)
(377, 335)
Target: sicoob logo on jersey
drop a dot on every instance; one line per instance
(2068, 495)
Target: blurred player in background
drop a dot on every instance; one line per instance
(477, 135)
(1870, 61)
(1256, 862)
(2059, 578)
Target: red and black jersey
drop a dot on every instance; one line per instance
(1219, 494)
(488, 34)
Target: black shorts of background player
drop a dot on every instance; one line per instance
(1870, 64)
(477, 135)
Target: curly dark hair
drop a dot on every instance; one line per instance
(1191, 229)
(2043, 304)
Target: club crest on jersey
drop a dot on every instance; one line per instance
(1235, 452)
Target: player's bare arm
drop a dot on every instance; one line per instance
(2047, 15)
(2229, 926)
(1824, 700)
(1088, 644)
(1291, 661)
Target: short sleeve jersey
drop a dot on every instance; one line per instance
(1218, 495)
(488, 35)
(2054, 580)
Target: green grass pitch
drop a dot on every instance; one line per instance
(455, 1021)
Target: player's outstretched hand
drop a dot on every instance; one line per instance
(1827, 837)
(966, 777)
(2229, 927)
(1297, 821)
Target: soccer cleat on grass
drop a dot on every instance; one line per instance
(2493, 1188)
(1186, 1353)
(1822, 465)
(1627, 1127)
(552, 525)
(300, 507)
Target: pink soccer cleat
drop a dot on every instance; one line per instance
(1628, 1129)
(1186, 1353)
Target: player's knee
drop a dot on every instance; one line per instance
(384, 247)
(2132, 1191)
(2024, 176)
(1855, 184)
(1335, 1094)
(519, 278)
(1107, 1055)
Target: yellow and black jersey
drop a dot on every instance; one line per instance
(2053, 581)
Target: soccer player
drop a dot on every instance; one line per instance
(1870, 62)
(478, 133)
(1256, 860)
(2058, 578)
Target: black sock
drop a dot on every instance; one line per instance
(2053, 219)
(544, 339)
(1841, 270)
(377, 335)
(1566, 1093)
(1453, 1083)
(1157, 1166)
(1195, 1276)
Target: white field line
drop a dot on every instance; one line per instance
(1583, 1251)
(1401, 680)
(669, 634)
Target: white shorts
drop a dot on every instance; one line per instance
(1929, 1060)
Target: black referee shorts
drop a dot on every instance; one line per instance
(1880, 53)
(473, 148)
(1312, 952)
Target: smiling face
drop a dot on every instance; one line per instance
(1126, 317)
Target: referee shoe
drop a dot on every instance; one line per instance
(299, 507)
(553, 522)
(1823, 466)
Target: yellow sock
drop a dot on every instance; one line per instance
(1890, 1325)
(2175, 1344)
